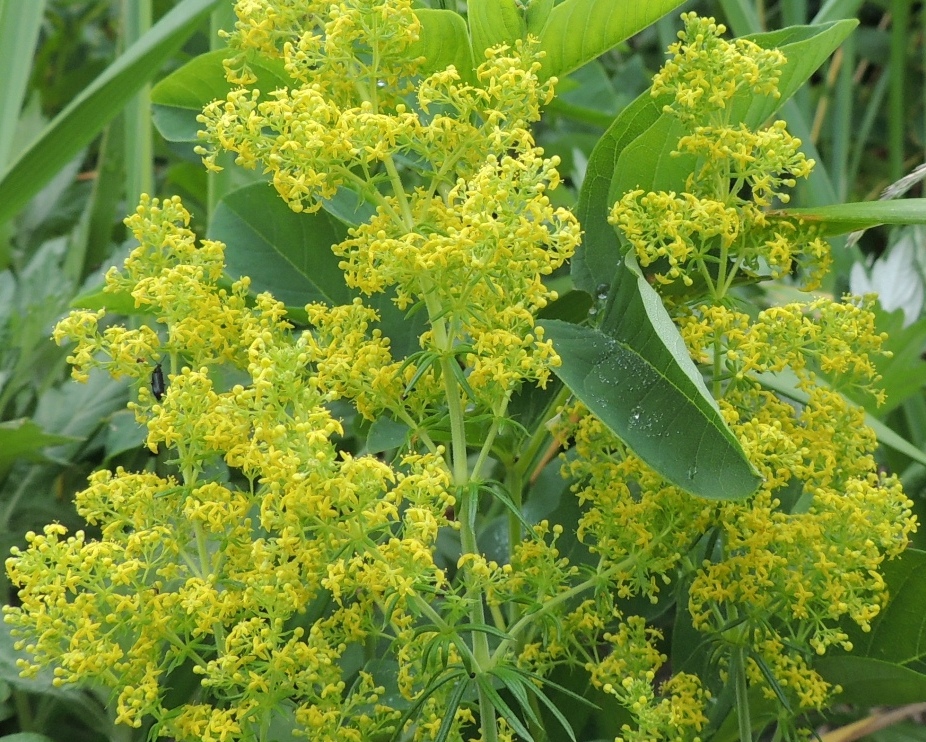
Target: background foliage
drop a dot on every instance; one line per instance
(77, 145)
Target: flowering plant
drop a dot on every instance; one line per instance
(421, 588)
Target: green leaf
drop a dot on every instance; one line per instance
(639, 381)
(515, 685)
(23, 439)
(805, 49)
(432, 688)
(450, 710)
(444, 41)
(536, 15)
(528, 684)
(785, 383)
(578, 31)
(79, 411)
(842, 218)
(903, 373)
(485, 686)
(493, 22)
(88, 113)
(19, 30)
(386, 434)
(181, 96)
(886, 665)
(597, 258)
(285, 253)
(648, 162)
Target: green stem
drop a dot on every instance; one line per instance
(526, 621)
(487, 716)
(738, 676)
(422, 433)
(497, 416)
(538, 437)
(718, 368)
(482, 660)
(399, 190)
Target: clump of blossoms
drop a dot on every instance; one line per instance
(718, 229)
(767, 580)
(304, 581)
(281, 583)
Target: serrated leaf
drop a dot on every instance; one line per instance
(843, 218)
(640, 382)
(444, 41)
(91, 110)
(285, 253)
(886, 664)
(578, 31)
(180, 97)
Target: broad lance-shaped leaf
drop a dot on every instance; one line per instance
(285, 253)
(289, 255)
(444, 40)
(636, 151)
(843, 218)
(493, 22)
(578, 31)
(181, 96)
(636, 376)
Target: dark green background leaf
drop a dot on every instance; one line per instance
(285, 253)
(578, 31)
(886, 665)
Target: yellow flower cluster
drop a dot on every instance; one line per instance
(705, 71)
(272, 580)
(771, 577)
(298, 580)
(627, 671)
(712, 232)
(221, 573)
(472, 241)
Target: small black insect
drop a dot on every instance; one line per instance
(157, 383)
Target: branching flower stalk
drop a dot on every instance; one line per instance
(305, 587)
